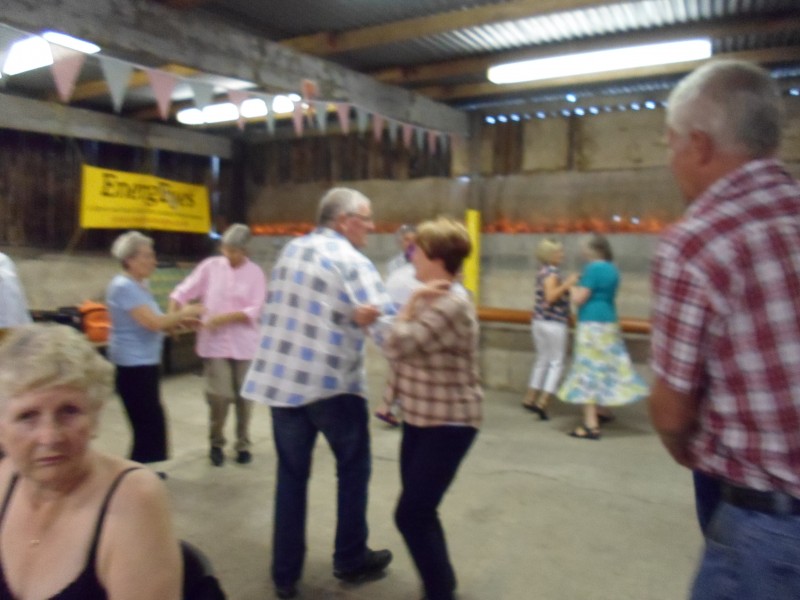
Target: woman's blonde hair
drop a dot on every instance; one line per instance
(546, 249)
(46, 355)
(445, 239)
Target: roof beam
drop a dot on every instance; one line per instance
(328, 43)
(476, 90)
(25, 114)
(152, 34)
(420, 74)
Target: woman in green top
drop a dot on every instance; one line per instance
(602, 374)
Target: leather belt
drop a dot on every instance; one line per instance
(773, 503)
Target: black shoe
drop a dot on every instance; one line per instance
(216, 456)
(285, 591)
(375, 562)
(244, 457)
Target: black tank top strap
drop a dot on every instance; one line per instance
(102, 516)
(11, 485)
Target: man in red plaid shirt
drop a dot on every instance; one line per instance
(726, 330)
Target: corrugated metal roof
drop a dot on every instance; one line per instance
(562, 27)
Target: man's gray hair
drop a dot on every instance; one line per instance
(736, 103)
(236, 236)
(339, 201)
(128, 244)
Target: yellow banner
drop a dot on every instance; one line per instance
(472, 265)
(120, 200)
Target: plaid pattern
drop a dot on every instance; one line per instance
(310, 347)
(434, 364)
(726, 324)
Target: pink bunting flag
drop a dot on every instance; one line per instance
(162, 84)
(377, 127)
(66, 66)
(238, 97)
(433, 136)
(297, 118)
(343, 110)
(408, 133)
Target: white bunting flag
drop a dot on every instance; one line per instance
(362, 119)
(117, 74)
(202, 92)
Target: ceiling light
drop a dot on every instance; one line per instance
(600, 61)
(213, 113)
(252, 108)
(571, 98)
(282, 105)
(27, 55)
(34, 52)
(190, 116)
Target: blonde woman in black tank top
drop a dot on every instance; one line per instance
(74, 523)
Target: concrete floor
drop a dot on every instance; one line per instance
(532, 514)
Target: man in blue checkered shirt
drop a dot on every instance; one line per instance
(309, 369)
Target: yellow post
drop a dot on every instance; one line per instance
(472, 265)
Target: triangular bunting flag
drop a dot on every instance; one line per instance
(343, 110)
(202, 92)
(66, 65)
(420, 138)
(393, 131)
(377, 126)
(309, 89)
(162, 84)
(270, 114)
(362, 118)
(322, 116)
(237, 97)
(408, 132)
(297, 117)
(444, 140)
(432, 137)
(117, 74)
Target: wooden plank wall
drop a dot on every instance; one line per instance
(40, 189)
(339, 157)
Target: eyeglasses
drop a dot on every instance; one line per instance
(363, 218)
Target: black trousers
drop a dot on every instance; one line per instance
(139, 389)
(429, 459)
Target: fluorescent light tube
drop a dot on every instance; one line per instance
(600, 61)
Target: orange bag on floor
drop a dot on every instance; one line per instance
(95, 320)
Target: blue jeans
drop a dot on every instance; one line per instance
(429, 460)
(343, 421)
(749, 555)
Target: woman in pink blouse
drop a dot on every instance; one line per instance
(432, 350)
(233, 290)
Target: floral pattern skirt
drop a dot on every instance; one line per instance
(601, 372)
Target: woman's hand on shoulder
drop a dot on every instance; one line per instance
(139, 555)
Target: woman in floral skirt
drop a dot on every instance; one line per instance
(602, 374)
